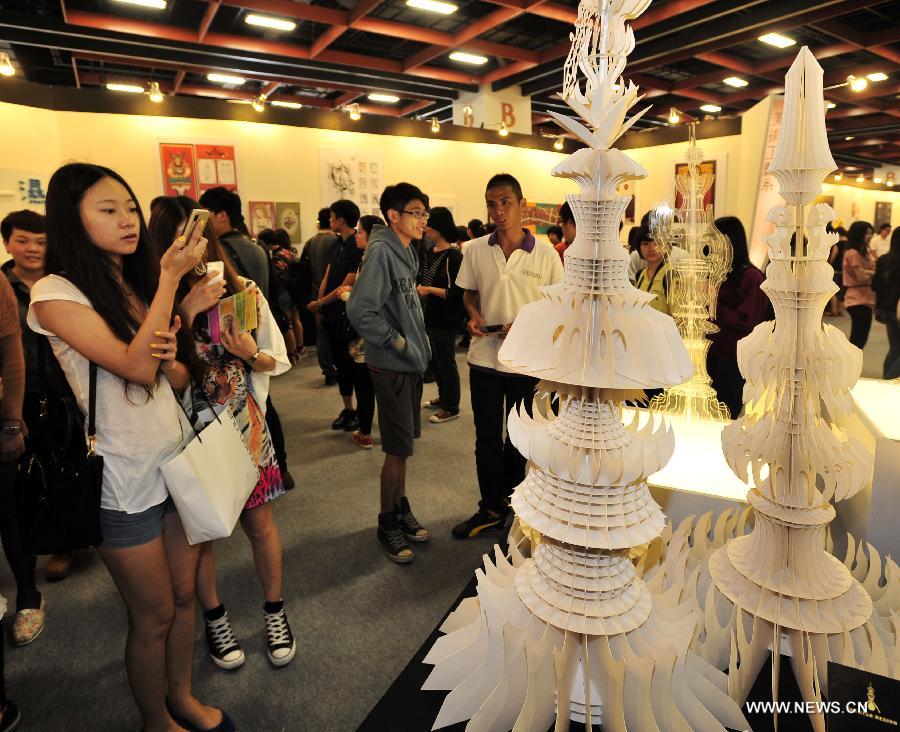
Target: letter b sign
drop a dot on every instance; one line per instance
(508, 114)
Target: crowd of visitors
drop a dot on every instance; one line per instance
(106, 320)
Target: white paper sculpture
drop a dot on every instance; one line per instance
(792, 445)
(573, 632)
(694, 284)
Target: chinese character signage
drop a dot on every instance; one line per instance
(31, 192)
(767, 192)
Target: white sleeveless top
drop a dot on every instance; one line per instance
(134, 435)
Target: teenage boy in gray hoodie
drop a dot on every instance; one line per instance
(385, 310)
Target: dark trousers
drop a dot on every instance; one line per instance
(728, 383)
(499, 465)
(323, 349)
(443, 351)
(860, 324)
(276, 432)
(892, 360)
(20, 561)
(352, 377)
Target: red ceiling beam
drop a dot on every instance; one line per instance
(553, 11)
(75, 71)
(270, 88)
(658, 13)
(363, 8)
(503, 71)
(207, 19)
(347, 98)
(403, 30)
(326, 39)
(873, 43)
(414, 107)
(727, 62)
(133, 27)
(179, 80)
(298, 11)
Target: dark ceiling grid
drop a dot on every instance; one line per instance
(343, 49)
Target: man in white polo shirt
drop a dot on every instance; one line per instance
(500, 274)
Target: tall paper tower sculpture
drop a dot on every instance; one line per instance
(695, 279)
(567, 631)
(780, 578)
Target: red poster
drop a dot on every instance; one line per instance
(178, 170)
(215, 167)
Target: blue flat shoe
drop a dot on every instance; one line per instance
(226, 725)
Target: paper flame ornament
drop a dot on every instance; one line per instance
(792, 443)
(695, 278)
(573, 631)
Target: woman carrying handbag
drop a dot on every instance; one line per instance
(233, 375)
(108, 302)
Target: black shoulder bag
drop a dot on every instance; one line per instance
(59, 494)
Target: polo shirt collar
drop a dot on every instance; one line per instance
(527, 244)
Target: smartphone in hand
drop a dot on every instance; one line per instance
(196, 221)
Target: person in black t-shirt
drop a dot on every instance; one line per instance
(339, 276)
(442, 304)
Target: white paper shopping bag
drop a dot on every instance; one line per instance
(211, 480)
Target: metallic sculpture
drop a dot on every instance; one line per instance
(694, 284)
(565, 632)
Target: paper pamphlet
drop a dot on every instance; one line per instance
(241, 308)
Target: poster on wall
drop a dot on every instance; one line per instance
(882, 213)
(628, 188)
(767, 192)
(287, 217)
(215, 167)
(262, 216)
(538, 217)
(353, 174)
(178, 169)
(707, 166)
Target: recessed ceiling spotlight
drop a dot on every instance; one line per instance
(388, 98)
(849, 137)
(857, 84)
(226, 79)
(267, 21)
(777, 40)
(156, 4)
(860, 179)
(838, 176)
(129, 88)
(877, 179)
(736, 81)
(433, 6)
(468, 58)
(711, 108)
(877, 76)
(6, 67)
(286, 105)
(830, 105)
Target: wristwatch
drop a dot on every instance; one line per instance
(254, 356)
(11, 429)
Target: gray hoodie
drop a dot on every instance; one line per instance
(384, 307)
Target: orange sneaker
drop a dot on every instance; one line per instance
(361, 440)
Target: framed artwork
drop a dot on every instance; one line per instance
(882, 213)
(349, 174)
(287, 217)
(538, 217)
(215, 167)
(179, 170)
(262, 216)
(825, 199)
(707, 166)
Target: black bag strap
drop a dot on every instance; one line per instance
(92, 409)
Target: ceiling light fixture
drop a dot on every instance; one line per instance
(777, 40)
(736, 81)
(674, 116)
(830, 105)
(433, 6)
(267, 21)
(877, 76)
(468, 58)
(435, 125)
(155, 4)
(259, 104)
(860, 179)
(130, 88)
(226, 79)
(857, 84)
(560, 143)
(286, 105)
(353, 109)
(849, 137)
(711, 108)
(878, 179)
(389, 98)
(504, 130)
(838, 176)
(890, 180)
(154, 93)
(6, 67)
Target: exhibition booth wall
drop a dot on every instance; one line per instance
(277, 162)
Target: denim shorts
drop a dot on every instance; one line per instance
(121, 530)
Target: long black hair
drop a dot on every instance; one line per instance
(732, 227)
(856, 236)
(71, 253)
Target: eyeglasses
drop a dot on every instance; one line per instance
(421, 215)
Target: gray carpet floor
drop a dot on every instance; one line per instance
(358, 617)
